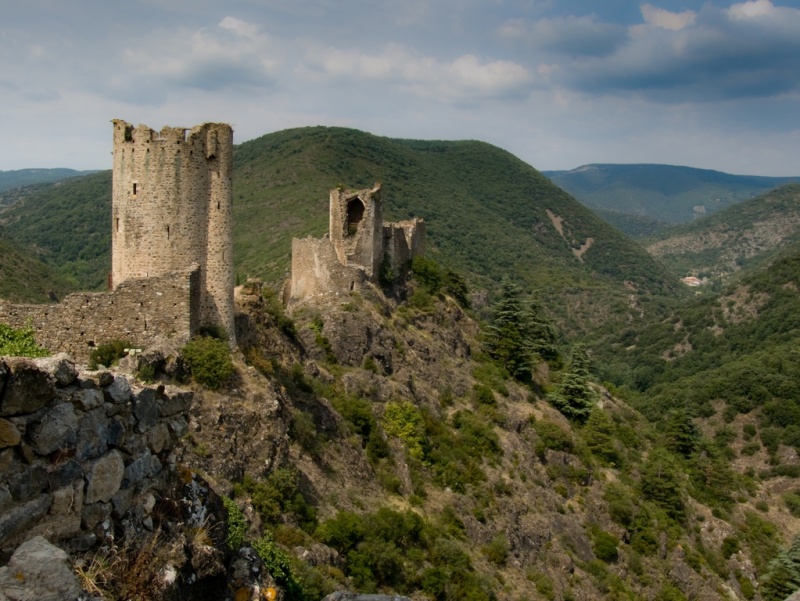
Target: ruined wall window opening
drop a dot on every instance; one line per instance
(355, 213)
(352, 286)
(135, 185)
(129, 134)
(116, 224)
(167, 232)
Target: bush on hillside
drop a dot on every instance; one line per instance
(109, 353)
(209, 361)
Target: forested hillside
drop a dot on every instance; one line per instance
(744, 235)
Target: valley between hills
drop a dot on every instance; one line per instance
(547, 413)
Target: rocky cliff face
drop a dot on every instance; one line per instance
(362, 445)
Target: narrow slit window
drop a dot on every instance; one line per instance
(116, 224)
(134, 188)
(167, 232)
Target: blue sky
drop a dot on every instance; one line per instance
(559, 83)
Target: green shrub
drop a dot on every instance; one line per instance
(483, 395)
(236, 524)
(279, 566)
(552, 436)
(19, 343)
(279, 497)
(303, 431)
(404, 421)
(604, 546)
(496, 550)
(209, 361)
(792, 500)
(108, 354)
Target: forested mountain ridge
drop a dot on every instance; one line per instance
(740, 236)
(663, 193)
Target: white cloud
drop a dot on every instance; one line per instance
(749, 10)
(658, 17)
(466, 77)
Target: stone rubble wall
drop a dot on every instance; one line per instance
(78, 450)
(139, 311)
(403, 241)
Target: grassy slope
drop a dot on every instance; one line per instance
(663, 192)
(746, 234)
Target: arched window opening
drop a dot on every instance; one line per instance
(355, 213)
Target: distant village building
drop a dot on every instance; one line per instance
(692, 281)
(359, 247)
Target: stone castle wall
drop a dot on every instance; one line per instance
(139, 311)
(79, 449)
(316, 270)
(356, 249)
(171, 208)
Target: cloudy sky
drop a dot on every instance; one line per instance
(560, 83)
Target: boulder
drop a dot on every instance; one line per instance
(57, 429)
(38, 571)
(145, 409)
(118, 391)
(9, 435)
(28, 388)
(20, 518)
(104, 477)
(60, 367)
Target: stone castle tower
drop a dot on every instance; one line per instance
(359, 248)
(171, 211)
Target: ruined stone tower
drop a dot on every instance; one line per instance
(171, 211)
(358, 247)
(356, 228)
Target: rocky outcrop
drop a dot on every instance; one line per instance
(38, 571)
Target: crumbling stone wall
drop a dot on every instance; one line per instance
(78, 450)
(139, 311)
(359, 248)
(171, 208)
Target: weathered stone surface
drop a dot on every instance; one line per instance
(89, 398)
(105, 477)
(27, 483)
(145, 409)
(57, 430)
(174, 402)
(5, 498)
(21, 517)
(68, 499)
(119, 391)
(27, 388)
(38, 571)
(92, 439)
(178, 426)
(145, 466)
(64, 474)
(9, 435)
(93, 514)
(116, 432)
(158, 438)
(121, 501)
(60, 367)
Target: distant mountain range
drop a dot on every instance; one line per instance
(24, 177)
(642, 199)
